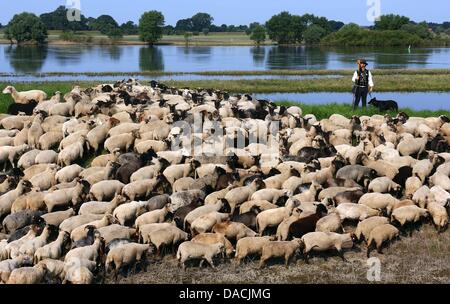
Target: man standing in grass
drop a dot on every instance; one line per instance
(362, 84)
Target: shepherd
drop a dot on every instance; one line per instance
(362, 84)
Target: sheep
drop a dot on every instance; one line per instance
(364, 227)
(359, 212)
(105, 190)
(91, 252)
(412, 184)
(439, 215)
(95, 207)
(285, 249)
(411, 146)
(80, 232)
(206, 222)
(122, 141)
(45, 180)
(330, 223)
(56, 218)
(213, 238)
(271, 195)
(25, 97)
(408, 215)
(324, 241)
(7, 266)
(261, 204)
(35, 131)
(421, 195)
(273, 217)
(250, 245)
(46, 157)
(114, 231)
(126, 255)
(167, 236)
(30, 247)
(422, 169)
(70, 154)
(68, 174)
(239, 195)
(184, 198)
(384, 185)
(175, 172)
(98, 134)
(155, 216)
(190, 250)
(127, 213)
(283, 229)
(140, 189)
(28, 275)
(102, 160)
(55, 270)
(78, 271)
(8, 153)
(378, 201)
(19, 122)
(439, 195)
(19, 220)
(357, 173)
(379, 235)
(28, 159)
(73, 222)
(53, 250)
(145, 230)
(7, 199)
(202, 210)
(64, 197)
(441, 180)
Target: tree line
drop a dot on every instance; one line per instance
(283, 28)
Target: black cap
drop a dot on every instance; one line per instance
(362, 61)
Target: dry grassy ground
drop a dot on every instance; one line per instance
(422, 258)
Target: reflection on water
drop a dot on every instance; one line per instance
(151, 59)
(26, 59)
(76, 58)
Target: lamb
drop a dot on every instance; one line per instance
(53, 250)
(35, 131)
(364, 227)
(28, 275)
(25, 97)
(95, 207)
(190, 250)
(105, 190)
(358, 212)
(324, 241)
(439, 215)
(206, 222)
(273, 217)
(285, 249)
(379, 235)
(155, 216)
(126, 255)
(213, 238)
(330, 223)
(384, 185)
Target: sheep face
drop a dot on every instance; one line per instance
(8, 90)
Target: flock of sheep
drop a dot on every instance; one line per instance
(72, 214)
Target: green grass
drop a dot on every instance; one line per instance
(321, 111)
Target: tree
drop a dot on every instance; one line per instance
(168, 30)
(285, 28)
(151, 26)
(26, 27)
(314, 34)
(129, 28)
(104, 24)
(258, 34)
(184, 25)
(420, 29)
(391, 22)
(205, 31)
(335, 25)
(57, 20)
(115, 33)
(201, 21)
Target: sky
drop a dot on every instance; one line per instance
(237, 11)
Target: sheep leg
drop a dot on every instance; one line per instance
(262, 263)
(286, 259)
(341, 254)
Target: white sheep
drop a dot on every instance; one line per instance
(284, 249)
(25, 97)
(53, 250)
(364, 227)
(28, 275)
(191, 250)
(379, 235)
(125, 255)
(439, 215)
(325, 241)
(355, 211)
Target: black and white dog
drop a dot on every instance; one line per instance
(384, 105)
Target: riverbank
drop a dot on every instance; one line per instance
(320, 110)
(96, 38)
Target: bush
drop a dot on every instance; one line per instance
(258, 34)
(26, 27)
